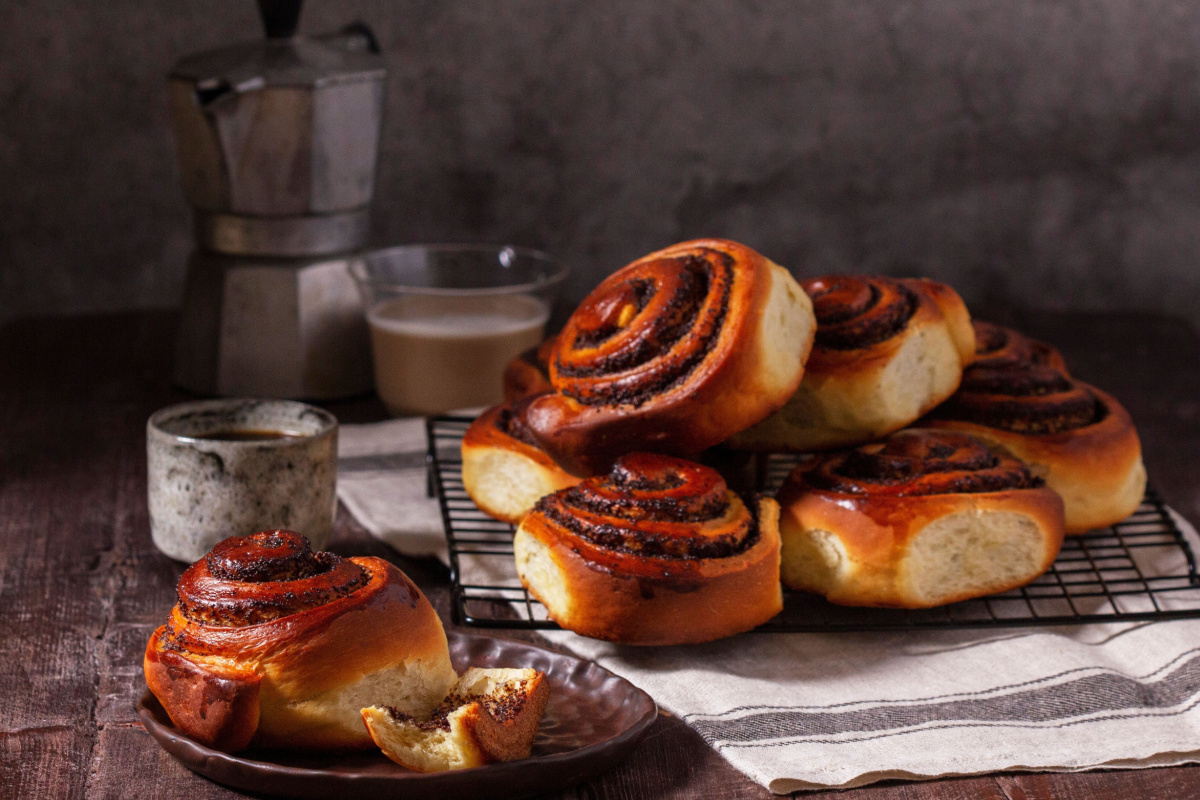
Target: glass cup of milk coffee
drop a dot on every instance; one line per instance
(446, 319)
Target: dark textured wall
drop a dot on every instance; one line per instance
(1030, 152)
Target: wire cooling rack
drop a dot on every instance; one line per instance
(1140, 569)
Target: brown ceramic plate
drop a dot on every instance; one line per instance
(593, 721)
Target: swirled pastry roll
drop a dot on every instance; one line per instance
(529, 373)
(673, 354)
(921, 519)
(504, 470)
(1080, 439)
(658, 551)
(998, 346)
(274, 644)
(887, 350)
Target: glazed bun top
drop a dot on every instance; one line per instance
(1024, 398)
(998, 346)
(653, 514)
(856, 311)
(916, 462)
(647, 328)
(265, 576)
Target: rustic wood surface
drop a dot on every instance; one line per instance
(81, 585)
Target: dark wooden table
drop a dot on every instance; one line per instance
(82, 587)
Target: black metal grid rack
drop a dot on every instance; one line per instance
(1140, 569)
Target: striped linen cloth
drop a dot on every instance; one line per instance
(815, 711)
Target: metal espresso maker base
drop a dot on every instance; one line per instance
(276, 142)
(262, 327)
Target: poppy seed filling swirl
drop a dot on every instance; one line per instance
(854, 312)
(997, 346)
(919, 462)
(646, 333)
(1023, 398)
(653, 506)
(511, 423)
(262, 577)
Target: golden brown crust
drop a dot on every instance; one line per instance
(504, 470)
(528, 373)
(216, 707)
(868, 507)
(658, 552)
(291, 663)
(672, 354)
(1093, 460)
(887, 351)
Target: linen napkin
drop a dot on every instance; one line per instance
(814, 711)
(383, 481)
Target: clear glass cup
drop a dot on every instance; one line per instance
(446, 318)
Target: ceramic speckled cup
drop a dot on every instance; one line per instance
(203, 490)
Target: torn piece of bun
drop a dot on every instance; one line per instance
(490, 715)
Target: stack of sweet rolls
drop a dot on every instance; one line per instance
(947, 457)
